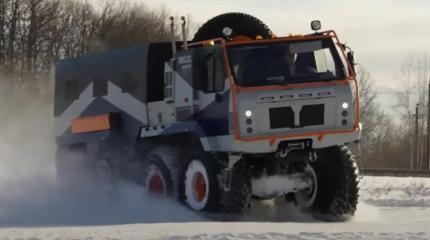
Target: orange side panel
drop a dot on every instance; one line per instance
(241, 38)
(91, 124)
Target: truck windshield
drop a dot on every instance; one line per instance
(285, 62)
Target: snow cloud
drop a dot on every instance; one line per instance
(30, 193)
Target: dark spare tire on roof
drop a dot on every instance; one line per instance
(242, 25)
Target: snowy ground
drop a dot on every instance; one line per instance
(390, 208)
(398, 192)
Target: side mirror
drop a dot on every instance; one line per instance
(351, 59)
(200, 71)
(203, 68)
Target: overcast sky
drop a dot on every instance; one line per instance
(383, 33)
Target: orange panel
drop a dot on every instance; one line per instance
(280, 39)
(241, 38)
(91, 124)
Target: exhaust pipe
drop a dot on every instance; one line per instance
(184, 33)
(172, 31)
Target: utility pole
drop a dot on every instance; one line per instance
(416, 136)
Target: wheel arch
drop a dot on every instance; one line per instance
(186, 139)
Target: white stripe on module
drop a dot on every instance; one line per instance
(126, 103)
(62, 122)
(115, 96)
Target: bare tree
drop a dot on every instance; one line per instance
(368, 113)
(414, 90)
(381, 142)
(35, 34)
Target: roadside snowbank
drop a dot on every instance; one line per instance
(395, 191)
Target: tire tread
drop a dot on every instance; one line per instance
(241, 23)
(338, 189)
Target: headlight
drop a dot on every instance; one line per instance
(248, 113)
(345, 105)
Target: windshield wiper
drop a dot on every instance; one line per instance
(278, 80)
(279, 83)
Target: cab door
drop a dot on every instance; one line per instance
(183, 96)
(213, 95)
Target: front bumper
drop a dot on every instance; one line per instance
(228, 143)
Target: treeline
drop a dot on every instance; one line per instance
(34, 34)
(398, 139)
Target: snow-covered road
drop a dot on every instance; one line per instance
(390, 208)
(385, 223)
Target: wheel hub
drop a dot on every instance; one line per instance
(306, 197)
(155, 182)
(199, 187)
(156, 185)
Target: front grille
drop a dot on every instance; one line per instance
(312, 115)
(282, 117)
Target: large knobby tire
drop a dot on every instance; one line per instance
(337, 178)
(200, 183)
(242, 25)
(238, 199)
(159, 171)
(158, 179)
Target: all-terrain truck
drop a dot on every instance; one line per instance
(234, 115)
